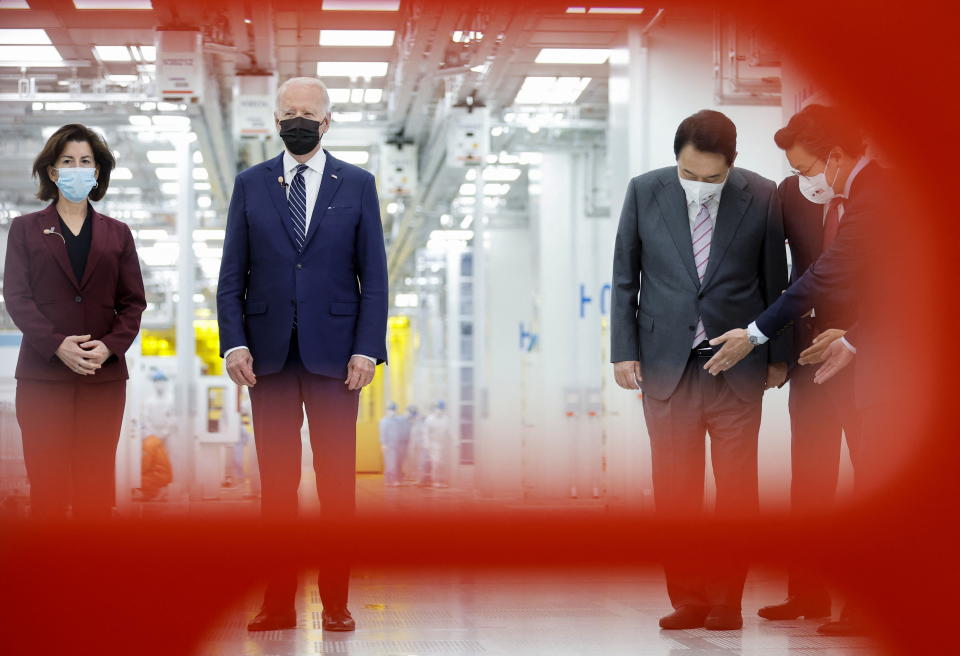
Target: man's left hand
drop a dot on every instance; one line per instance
(736, 346)
(836, 357)
(776, 375)
(360, 373)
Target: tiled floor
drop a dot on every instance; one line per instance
(520, 614)
(506, 613)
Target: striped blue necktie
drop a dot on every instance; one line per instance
(297, 200)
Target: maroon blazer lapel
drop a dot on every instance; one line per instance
(48, 219)
(97, 246)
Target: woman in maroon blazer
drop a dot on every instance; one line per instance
(72, 285)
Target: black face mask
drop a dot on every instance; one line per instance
(300, 135)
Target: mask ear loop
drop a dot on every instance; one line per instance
(835, 175)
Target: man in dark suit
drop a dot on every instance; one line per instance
(302, 305)
(849, 269)
(820, 415)
(707, 239)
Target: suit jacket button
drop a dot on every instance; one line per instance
(692, 327)
(77, 299)
(700, 295)
(299, 266)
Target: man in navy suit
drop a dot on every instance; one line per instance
(302, 308)
(854, 269)
(821, 416)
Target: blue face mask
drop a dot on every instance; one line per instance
(76, 182)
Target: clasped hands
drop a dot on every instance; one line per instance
(826, 349)
(83, 355)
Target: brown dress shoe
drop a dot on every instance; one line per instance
(793, 608)
(685, 617)
(723, 618)
(272, 621)
(338, 619)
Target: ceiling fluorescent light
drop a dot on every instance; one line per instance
(14, 4)
(25, 37)
(352, 69)
(31, 54)
(358, 157)
(551, 90)
(576, 10)
(347, 117)
(369, 38)
(121, 173)
(113, 4)
(149, 53)
(339, 96)
(360, 5)
(113, 53)
(616, 10)
(373, 95)
(572, 56)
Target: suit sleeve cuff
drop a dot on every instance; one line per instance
(753, 331)
(850, 347)
(229, 351)
(361, 355)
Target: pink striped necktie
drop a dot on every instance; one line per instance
(702, 236)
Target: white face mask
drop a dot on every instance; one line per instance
(816, 189)
(701, 192)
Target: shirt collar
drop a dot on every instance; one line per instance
(316, 163)
(859, 166)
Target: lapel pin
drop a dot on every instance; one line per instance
(280, 180)
(334, 177)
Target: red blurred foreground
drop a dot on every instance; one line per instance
(154, 588)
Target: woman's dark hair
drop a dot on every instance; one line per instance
(710, 132)
(820, 129)
(54, 147)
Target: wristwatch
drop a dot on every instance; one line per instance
(753, 339)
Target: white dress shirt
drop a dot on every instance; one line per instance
(752, 329)
(312, 177)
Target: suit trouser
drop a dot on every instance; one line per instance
(678, 427)
(70, 433)
(278, 402)
(820, 415)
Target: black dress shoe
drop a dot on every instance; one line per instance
(723, 618)
(845, 626)
(793, 608)
(338, 619)
(270, 621)
(685, 617)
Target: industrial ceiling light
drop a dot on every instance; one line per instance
(352, 69)
(113, 53)
(615, 10)
(30, 54)
(368, 38)
(605, 10)
(551, 90)
(358, 157)
(360, 5)
(25, 37)
(572, 56)
(113, 4)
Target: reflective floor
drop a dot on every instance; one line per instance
(518, 614)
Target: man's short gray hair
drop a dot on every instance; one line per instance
(304, 81)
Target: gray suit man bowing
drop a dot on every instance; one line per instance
(699, 249)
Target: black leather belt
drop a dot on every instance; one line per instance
(703, 350)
